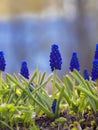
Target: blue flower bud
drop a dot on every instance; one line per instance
(74, 63)
(96, 52)
(94, 73)
(86, 74)
(54, 105)
(24, 70)
(55, 58)
(2, 61)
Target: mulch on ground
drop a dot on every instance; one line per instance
(87, 121)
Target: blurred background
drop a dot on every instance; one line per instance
(29, 27)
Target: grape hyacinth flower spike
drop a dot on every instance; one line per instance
(2, 61)
(96, 52)
(24, 70)
(94, 73)
(86, 74)
(55, 58)
(54, 105)
(74, 63)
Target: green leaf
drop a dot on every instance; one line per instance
(87, 93)
(4, 91)
(58, 101)
(68, 87)
(33, 77)
(60, 119)
(76, 75)
(42, 85)
(64, 94)
(5, 124)
(31, 96)
(42, 78)
(44, 100)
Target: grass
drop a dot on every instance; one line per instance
(20, 105)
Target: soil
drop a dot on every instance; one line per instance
(66, 121)
(87, 121)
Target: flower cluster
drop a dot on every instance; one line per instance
(86, 74)
(2, 61)
(94, 73)
(95, 70)
(74, 63)
(24, 70)
(96, 52)
(55, 58)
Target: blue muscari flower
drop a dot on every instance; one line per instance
(55, 58)
(96, 52)
(54, 105)
(2, 61)
(94, 73)
(24, 70)
(74, 63)
(86, 74)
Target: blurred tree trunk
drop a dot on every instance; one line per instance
(83, 35)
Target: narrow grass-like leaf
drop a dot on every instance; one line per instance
(70, 82)
(31, 96)
(42, 85)
(11, 95)
(44, 100)
(87, 93)
(64, 94)
(0, 79)
(54, 81)
(4, 84)
(90, 88)
(33, 77)
(68, 88)
(76, 75)
(83, 101)
(4, 91)
(58, 101)
(42, 78)
(5, 124)
(22, 77)
(93, 104)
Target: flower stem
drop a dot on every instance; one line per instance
(54, 81)
(0, 79)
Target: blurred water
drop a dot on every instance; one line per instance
(30, 39)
